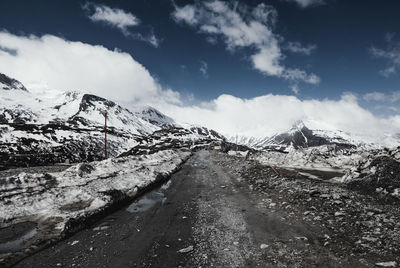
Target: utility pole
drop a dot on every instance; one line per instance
(105, 134)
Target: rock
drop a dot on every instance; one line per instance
(339, 213)
(370, 239)
(303, 238)
(74, 242)
(186, 250)
(335, 196)
(264, 246)
(84, 169)
(314, 192)
(386, 264)
(325, 196)
(378, 175)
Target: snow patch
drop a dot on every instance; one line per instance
(83, 189)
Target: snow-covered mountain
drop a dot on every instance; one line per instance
(54, 126)
(301, 136)
(7, 83)
(252, 142)
(153, 116)
(70, 108)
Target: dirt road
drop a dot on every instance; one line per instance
(210, 214)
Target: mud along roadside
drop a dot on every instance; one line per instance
(28, 235)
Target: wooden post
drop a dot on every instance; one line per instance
(105, 134)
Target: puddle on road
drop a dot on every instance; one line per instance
(16, 242)
(150, 199)
(315, 174)
(166, 185)
(323, 175)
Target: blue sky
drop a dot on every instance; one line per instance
(343, 32)
(338, 46)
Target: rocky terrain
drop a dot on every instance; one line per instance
(358, 228)
(322, 157)
(377, 173)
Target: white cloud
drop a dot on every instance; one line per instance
(186, 14)
(242, 27)
(375, 96)
(113, 16)
(295, 89)
(307, 3)
(391, 97)
(296, 74)
(388, 71)
(395, 96)
(120, 19)
(55, 63)
(204, 68)
(391, 54)
(212, 40)
(267, 60)
(297, 47)
(386, 108)
(383, 103)
(266, 115)
(265, 13)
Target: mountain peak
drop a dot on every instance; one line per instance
(8, 83)
(154, 116)
(299, 124)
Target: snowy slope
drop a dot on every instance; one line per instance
(324, 157)
(300, 135)
(252, 142)
(7, 83)
(153, 116)
(55, 126)
(72, 108)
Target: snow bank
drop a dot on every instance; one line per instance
(378, 172)
(83, 189)
(238, 153)
(321, 157)
(374, 172)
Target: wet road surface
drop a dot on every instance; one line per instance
(205, 216)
